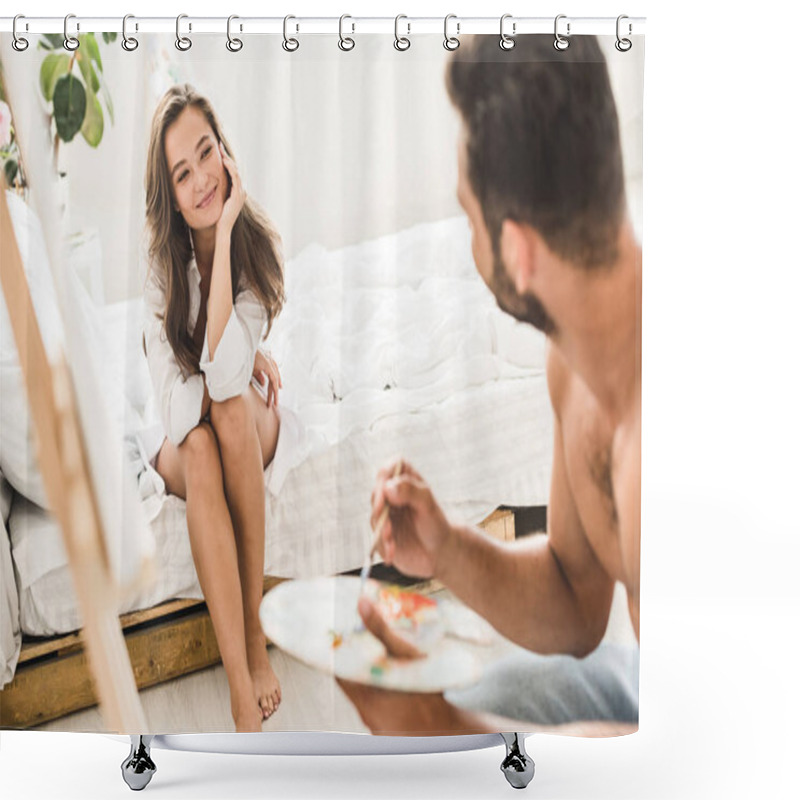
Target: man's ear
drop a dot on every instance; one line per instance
(518, 252)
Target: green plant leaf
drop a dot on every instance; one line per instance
(94, 51)
(10, 168)
(87, 70)
(92, 128)
(109, 37)
(53, 67)
(69, 106)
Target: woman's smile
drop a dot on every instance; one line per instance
(204, 203)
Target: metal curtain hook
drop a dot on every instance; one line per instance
(451, 42)
(346, 43)
(507, 42)
(233, 44)
(129, 43)
(70, 42)
(182, 42)
(289, 44)
(560, 42)
(623, 45)
(401, 42)
(19, 43)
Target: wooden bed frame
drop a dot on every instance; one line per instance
(164, 642)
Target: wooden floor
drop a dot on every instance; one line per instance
(199, 702)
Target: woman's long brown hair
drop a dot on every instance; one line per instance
(255, 258)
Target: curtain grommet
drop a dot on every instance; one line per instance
(234, 44)
(19, 43)
(451, 42)
(623, 44)
(183, 43)
(129, 43)
(71, 43)
(401, 43)
(346, 43)
(560, 42)
(507, 42)
(289, 43)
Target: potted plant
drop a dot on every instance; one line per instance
(74, 94)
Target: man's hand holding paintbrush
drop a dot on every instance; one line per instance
(415, 534)
(411, 533)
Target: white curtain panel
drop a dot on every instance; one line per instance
(390, 344)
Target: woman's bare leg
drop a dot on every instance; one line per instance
(193, 471)
(247, 433)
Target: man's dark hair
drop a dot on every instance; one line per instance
(542, 138)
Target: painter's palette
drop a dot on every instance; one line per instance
(317, 622)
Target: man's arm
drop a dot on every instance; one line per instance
(549, 593)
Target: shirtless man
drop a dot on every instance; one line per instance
(541, 181)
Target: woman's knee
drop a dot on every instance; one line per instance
(199, 442)
(232, 419)
(199, 453)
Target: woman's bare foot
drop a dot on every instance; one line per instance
(247, 716)
(265, 681)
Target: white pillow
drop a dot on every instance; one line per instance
(18, 457)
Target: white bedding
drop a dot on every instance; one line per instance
(387, 347)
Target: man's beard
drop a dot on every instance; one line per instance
(524, 307)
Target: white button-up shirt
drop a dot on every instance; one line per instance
(180, 398)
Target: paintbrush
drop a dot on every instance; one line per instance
(378, 528)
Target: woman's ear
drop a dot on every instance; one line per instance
(518, 253)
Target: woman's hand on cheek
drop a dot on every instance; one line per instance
(235, 201)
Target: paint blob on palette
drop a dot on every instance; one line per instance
(414, 616)
(317, 622)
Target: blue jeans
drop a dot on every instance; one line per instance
(555, 689)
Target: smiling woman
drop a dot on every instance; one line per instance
(215, 281)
